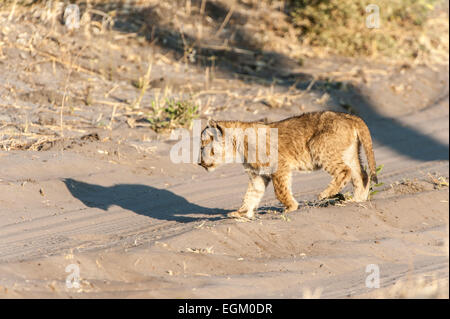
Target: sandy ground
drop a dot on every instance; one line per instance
(137, 225)
(157, 235)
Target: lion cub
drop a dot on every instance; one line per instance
(327, 140)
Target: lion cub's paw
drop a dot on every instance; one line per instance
(236, 214)
(244, 216)
(291, 208)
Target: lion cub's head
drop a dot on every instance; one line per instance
(212, 146)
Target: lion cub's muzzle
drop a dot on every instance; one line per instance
(208, 167)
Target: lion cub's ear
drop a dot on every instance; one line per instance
(214, 124)
(211, 123)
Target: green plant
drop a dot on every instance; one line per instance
(373, 191)
(285, 217)
(172, 114)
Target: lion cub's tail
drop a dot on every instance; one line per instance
(366, 141)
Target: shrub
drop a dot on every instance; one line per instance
(172, 114)
(340, 25)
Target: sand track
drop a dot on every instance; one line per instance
(89, 208)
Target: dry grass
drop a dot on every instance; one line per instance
(208, 250)
(421, 287)
(407, 28)
(438, 181)
(144, 83)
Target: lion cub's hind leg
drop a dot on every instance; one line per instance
(341, 175)
(282, 187)
(328, 152)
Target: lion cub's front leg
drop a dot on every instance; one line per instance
(255, 192)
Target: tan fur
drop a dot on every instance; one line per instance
(326, 140)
